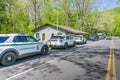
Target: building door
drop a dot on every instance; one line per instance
(43, 36)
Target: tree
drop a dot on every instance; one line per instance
(117, 24)
(83, 7)
(3, 15)
(66, 5)
(118, 1)
(34, 10)
(13, 18)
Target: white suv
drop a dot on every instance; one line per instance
(15, 46)
(79, 39)
(61, 41)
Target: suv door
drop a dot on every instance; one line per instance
(26, 44)
(34, 43)
(69, 39)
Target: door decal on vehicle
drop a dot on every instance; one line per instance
(37, 47)
(27, 48)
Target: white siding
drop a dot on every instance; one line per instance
(48, 31)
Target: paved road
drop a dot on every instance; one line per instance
(83, 62)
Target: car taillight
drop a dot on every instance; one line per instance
(61, 40)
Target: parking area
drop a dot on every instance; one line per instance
(82, 62)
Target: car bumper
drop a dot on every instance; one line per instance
(78, 42)
(57, 46)
(108, 38)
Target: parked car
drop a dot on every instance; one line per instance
(80, 39)
(101, 36)
(108, 37)
(15, 46)
(61, 41)
(94, 37)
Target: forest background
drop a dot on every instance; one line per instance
(17, 16)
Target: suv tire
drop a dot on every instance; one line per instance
(8, 58)
(65, 45)
(44, 50)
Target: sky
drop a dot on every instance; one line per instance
(106, 4)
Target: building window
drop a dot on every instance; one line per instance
(43, 36)
(37, 35)
(52, 34)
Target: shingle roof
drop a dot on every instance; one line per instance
(64, 28)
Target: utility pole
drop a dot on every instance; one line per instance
(35, 15)
(57, 21)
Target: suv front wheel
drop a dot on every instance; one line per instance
(8, 58)
(44, 50)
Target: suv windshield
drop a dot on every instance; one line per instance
(3, 39)
(57, 37)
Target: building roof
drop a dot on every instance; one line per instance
(68, 29)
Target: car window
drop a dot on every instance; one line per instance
(31, 39)
(19, 39)
(109, 35)
(69, 37)
(3, 39)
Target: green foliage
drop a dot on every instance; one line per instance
(117, 24)
(17, 16)
(13, 19)
(118, 1)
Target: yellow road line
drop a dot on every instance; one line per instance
(111, 61)
(114, 67)
(109, 66)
